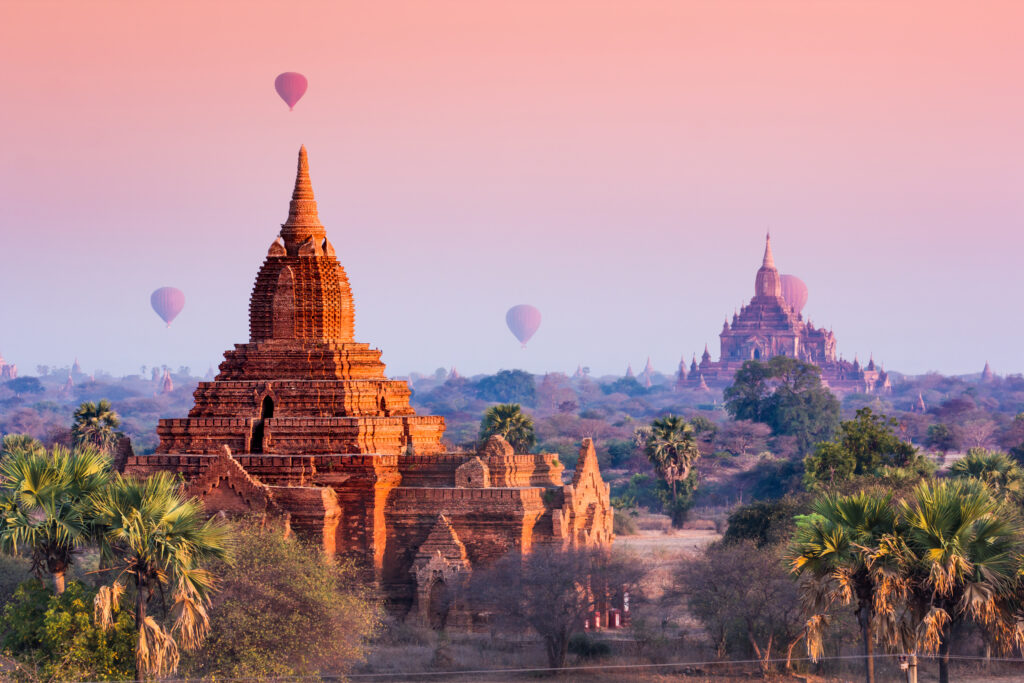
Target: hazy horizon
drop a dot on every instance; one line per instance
(614, 165)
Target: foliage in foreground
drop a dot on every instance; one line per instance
(284, 609)
(155, 543)
(46, 504)
(949, 553)
(54, 637)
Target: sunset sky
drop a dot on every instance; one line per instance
(614, 163)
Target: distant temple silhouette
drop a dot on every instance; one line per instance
(768, 327)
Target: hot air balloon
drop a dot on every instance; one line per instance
(794, 291)
(291, 86)
(167, 302)
(523, 320)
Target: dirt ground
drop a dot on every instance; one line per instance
(656, 544)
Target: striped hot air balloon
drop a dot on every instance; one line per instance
(167, 302)
(523, 320)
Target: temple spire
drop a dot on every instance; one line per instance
(769, 260)
(303, 221)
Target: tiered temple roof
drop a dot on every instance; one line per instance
(302, 422)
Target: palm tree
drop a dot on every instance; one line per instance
(158, 541)
(96, 423)
(961, 549)
(508, 420)
(837, 552)
(13, 443)
(1000, 473)
(45, 506)
(672, 448)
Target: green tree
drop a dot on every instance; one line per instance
(864, 446)
(508, 386)
(96, 424)
(960, 550)
(55, 638)
(284, 609)
(25, 385)
(45, 506)
(157, 543)
(672, 449)
(835, 553)
(787, 395)
(765, 523)
(940, 438)
(508, 421)
(1000, 473)
(624, 385)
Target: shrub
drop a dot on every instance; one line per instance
(623, 524)
(284, 609)
(54, 637)
(585, 647)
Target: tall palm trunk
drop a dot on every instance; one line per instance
(58, 581)
(944, 655)
(864, 620)
(141, 598)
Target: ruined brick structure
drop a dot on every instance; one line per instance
(302, 422)
(768, 327)
(7, 370)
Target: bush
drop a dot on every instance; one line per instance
(284, 609)
(765, 523)
(585, 647)
(54, 637)
(623, 524)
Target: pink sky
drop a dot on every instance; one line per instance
(615, 164)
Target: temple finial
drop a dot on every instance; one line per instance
(769, 260)
(303, 220)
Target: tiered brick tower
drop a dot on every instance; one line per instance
(302, 422)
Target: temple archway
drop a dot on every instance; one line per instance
(266, 408)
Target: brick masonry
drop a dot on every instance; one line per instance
(302, 422)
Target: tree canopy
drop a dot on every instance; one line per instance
(787, 395)
(508, 386)
(865, 445)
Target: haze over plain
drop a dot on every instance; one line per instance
(614, 164)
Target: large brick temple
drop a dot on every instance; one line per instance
(768, 326)
(302, 422)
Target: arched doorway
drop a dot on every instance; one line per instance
(267, 408)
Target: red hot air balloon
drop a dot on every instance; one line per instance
(523, 320)
(167, 302)
(291, 86)
(794, 291)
